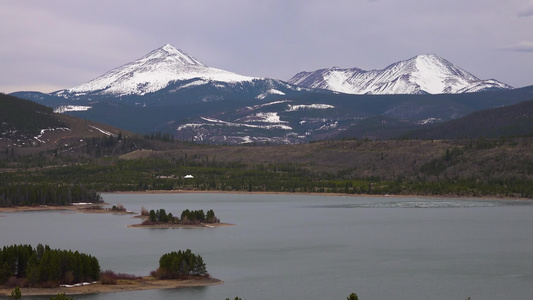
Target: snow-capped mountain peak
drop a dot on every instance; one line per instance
(171, 54)
(151, 73)
(421, 74)
(435, 75)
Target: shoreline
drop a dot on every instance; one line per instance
(85, 208)
(185, 226)
(146, 283)
(148, 192)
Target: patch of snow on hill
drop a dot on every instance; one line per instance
(310, 106)
(268, 117)
(267, 104)
(38, 138)
(192, 126)
(429, 121)
(103, 131)
(191, 84)
(66, 108)
(269, 92)
(234, 124)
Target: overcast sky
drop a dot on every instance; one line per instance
(51, 45)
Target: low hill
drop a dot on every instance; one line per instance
(514, 120)
(378, 128)
(23, 118)
(29, 128)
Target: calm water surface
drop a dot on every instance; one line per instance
(309, 247)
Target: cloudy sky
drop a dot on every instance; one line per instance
(55, 44)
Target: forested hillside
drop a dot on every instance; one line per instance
(513, 120)
(73, 165)
(24, 119)
(496, 167)
(23, 265)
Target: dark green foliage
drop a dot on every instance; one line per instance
(153, 216)
(437, 166)
(61, 297)
(497, 167)
(353, 296)
(180, 264)
(45, 265)
(194, 216)
(161, 216)
(29, 194)
(165, 137)
(110, 145)
(187, 217)
(26, 117)
(512, 120)
(15, 294)
(211, 216)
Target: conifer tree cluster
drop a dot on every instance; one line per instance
(180, 264)
(45, 194)
(43, 265)
(187, 217)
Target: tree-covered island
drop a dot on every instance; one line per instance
(188, 219)
(45, 271)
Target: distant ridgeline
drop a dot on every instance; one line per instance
(43, 266)
(30, 194)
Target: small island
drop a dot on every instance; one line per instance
(188, 219)
(45, 271)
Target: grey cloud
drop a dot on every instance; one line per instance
(80, 40)
(526, 11)
(524, 46)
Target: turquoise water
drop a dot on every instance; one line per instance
(309, 247)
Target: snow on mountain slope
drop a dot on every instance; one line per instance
(418, 75)
(151, 73)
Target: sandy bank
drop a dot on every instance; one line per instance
(147, 283)
(86, 208)
(170, 225)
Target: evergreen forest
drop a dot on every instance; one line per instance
(23, 265)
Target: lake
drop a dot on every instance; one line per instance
(308, 246)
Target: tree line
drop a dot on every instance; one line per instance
(30, 194)
(187, 217)
(78, 183)
(501, 175)
(43, 266)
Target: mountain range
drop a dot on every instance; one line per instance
(423, 74)
(170, 91)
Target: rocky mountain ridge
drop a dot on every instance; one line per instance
(423, 74)
(170, 91)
